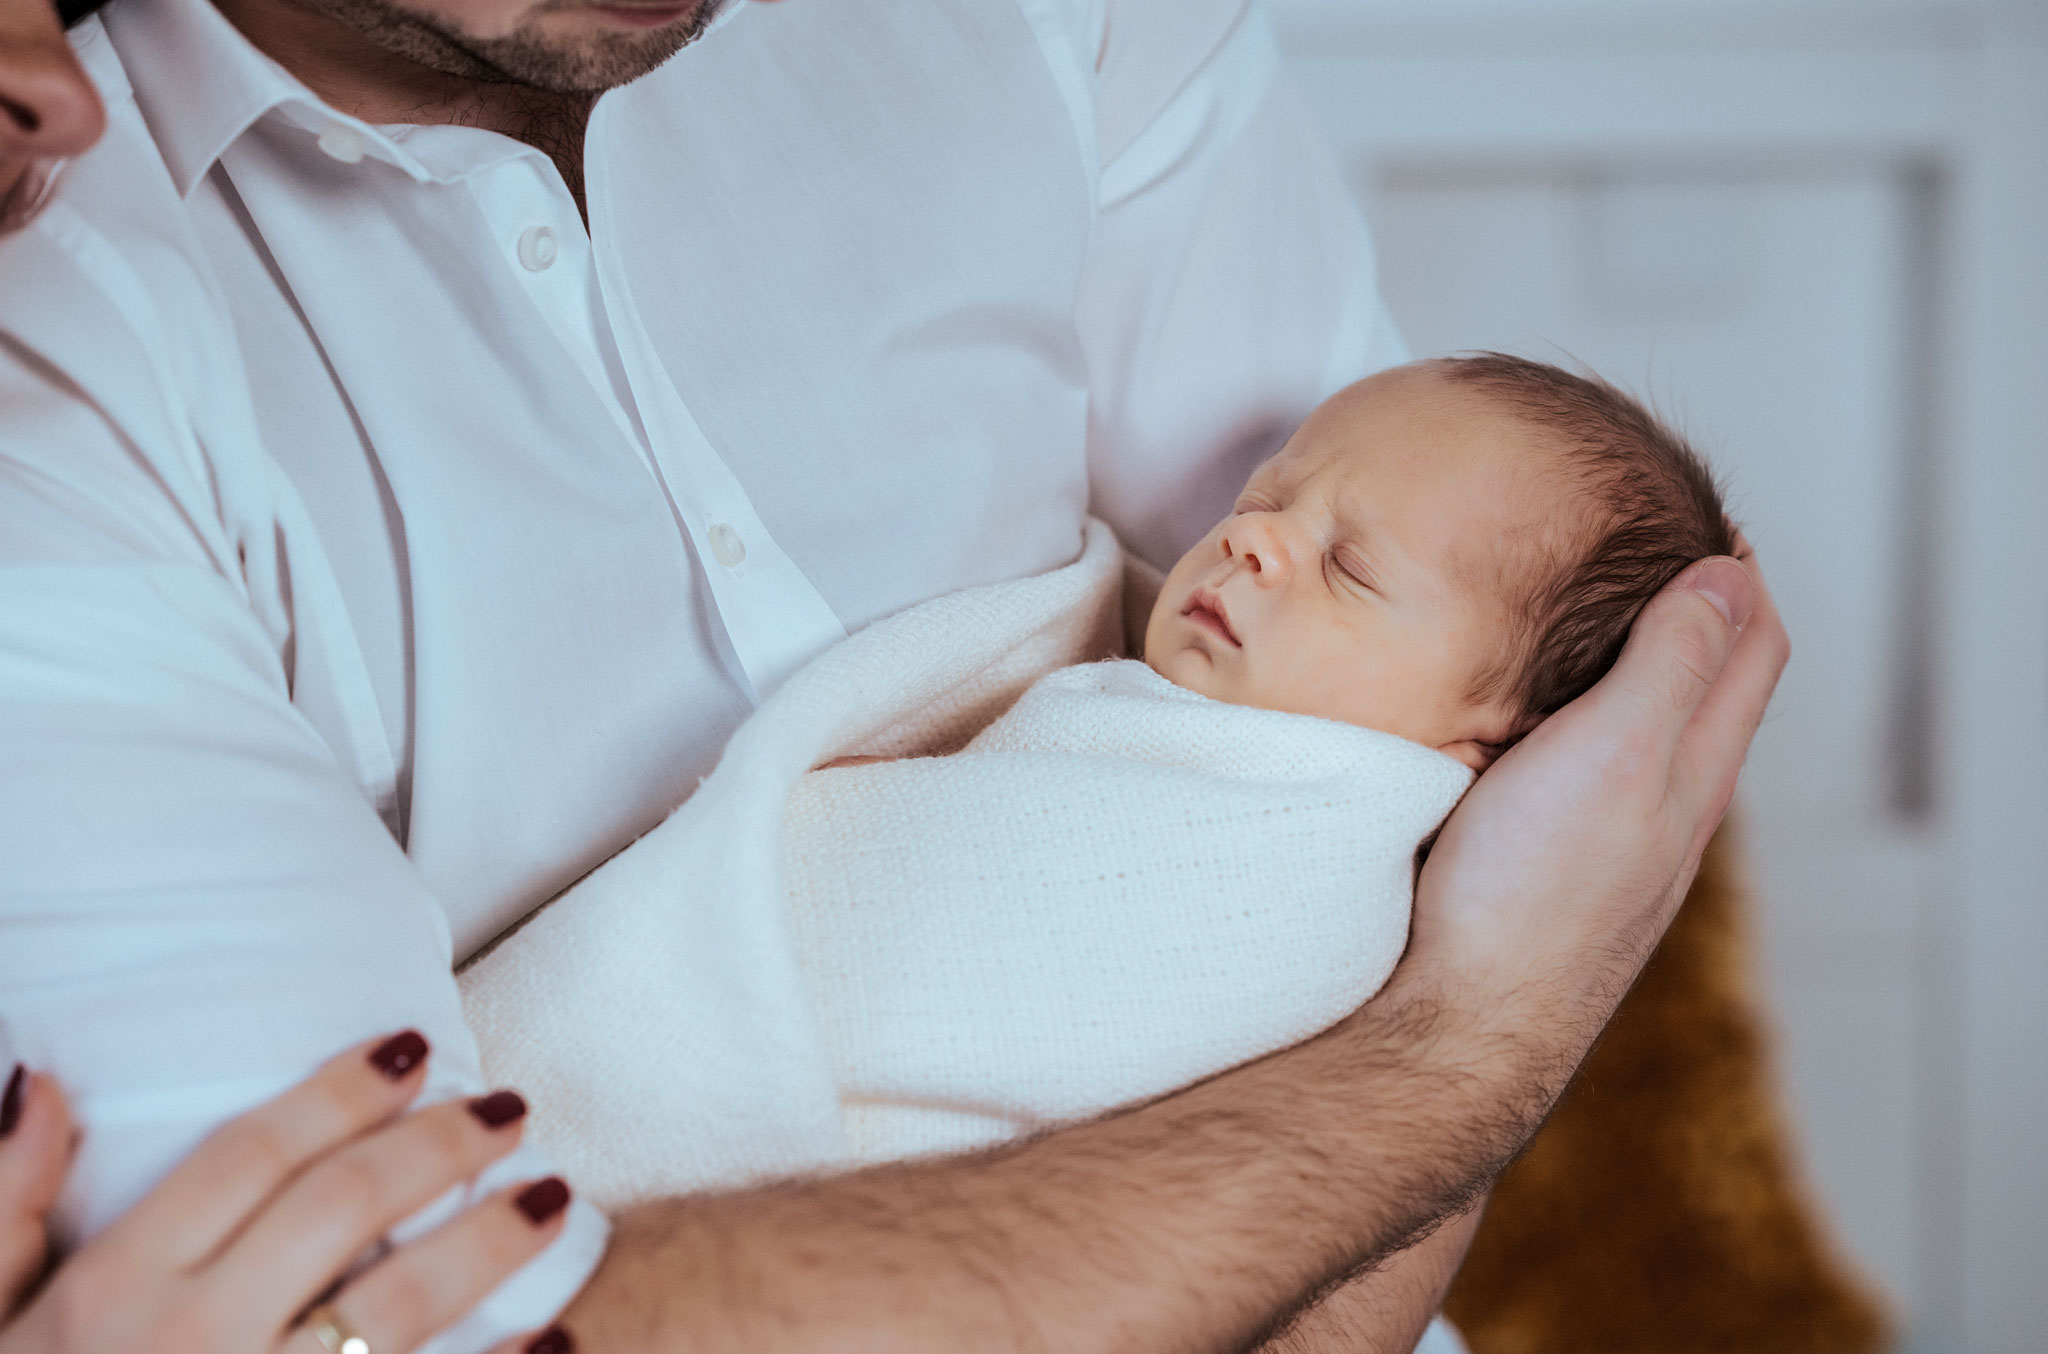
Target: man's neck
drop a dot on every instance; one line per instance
(360, 78)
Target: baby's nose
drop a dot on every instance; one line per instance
(1258, 551)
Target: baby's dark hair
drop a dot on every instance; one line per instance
(1652, 508)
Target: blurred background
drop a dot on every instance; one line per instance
(1815, 235)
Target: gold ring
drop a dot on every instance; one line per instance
(336, 1334)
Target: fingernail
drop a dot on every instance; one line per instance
(399, 1054)
(553, 1340)
(10, 1100)
(542, 1199)
(499, 1108)
(1727, 587)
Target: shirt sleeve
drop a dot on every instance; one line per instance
(1231, 284)
(198, 905)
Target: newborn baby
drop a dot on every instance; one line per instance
(1120, 886)
(1046, 886)
(1447, 551)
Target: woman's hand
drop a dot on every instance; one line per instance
(35, 1149)
(225, 1256)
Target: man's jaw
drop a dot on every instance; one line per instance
(557, 46)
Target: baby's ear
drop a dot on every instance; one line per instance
(1473, 753)
(1480, 753)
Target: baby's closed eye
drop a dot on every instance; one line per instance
(1353, 568)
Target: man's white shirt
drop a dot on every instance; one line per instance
(380, 551)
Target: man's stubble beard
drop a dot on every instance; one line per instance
(587, 64)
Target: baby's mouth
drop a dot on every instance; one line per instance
(1205, 609)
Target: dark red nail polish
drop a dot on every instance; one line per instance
(553, 1340)
(542, 1199)
(10, 1100)
(399, 1054)
(498, 1109)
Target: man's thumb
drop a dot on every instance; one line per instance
(1684, 636)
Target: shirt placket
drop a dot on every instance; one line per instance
(774, 619)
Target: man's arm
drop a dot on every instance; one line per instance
(1202, 1220)
(1198, 1222)
(1386, 1309)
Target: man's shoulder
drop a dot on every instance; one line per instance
(1135, 56)
(1149, 52)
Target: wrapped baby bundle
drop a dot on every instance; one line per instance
(1105, 888)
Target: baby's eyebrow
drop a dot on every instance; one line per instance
(1265, 480)
(1350, 527)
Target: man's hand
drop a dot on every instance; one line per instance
(1203, 1220)
(1557, 875)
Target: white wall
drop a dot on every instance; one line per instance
(1813, 233)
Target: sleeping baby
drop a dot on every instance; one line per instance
(1442, 555)
(1025, 887)
(1448, 551)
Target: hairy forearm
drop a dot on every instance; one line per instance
(1385, 1309)
(1196, 1222)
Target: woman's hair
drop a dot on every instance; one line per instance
(1650, 508)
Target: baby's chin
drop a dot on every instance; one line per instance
(1189, 668)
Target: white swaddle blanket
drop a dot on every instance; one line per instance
(1115, 888)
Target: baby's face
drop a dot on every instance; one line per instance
(1361, 576)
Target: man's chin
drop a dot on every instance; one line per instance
(598, 56)
(591, 48)
(559, 47)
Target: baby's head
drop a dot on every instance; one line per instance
(1448, 551)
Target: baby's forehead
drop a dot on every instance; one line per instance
(1484, 501)
(1418, 419)
(1440, 449)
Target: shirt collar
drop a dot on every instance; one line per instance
(200, 85)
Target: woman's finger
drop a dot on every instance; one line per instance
(432, 1282)
(323, 1219)
(200, 1205)
(35, 1149)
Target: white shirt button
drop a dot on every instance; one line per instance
(726, 546)
(343, 143)
(538, 248)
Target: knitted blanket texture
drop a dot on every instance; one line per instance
(1072, 885)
